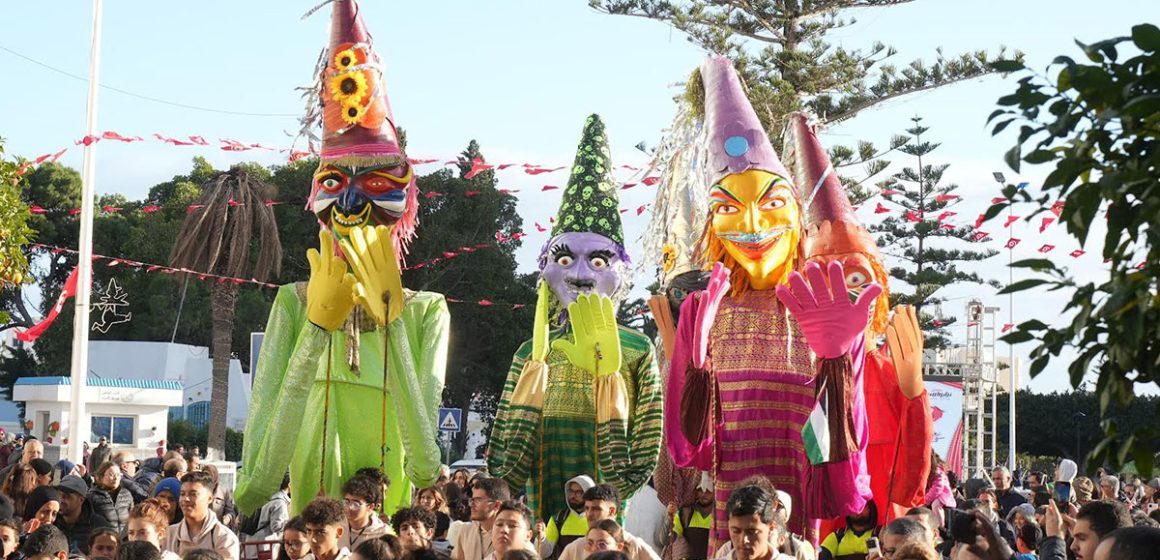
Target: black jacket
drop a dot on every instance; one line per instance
(135, 489)
(114, 509)
(1052, 548)
(78, 533)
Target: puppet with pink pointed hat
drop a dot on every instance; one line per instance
(351, 369)
(897, 405)
(763, 377)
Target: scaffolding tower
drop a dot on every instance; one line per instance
(980, 386)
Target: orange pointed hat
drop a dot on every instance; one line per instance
(358, 128)
(831, 227)
(830, 223)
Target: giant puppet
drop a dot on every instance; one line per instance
(323, 404)
(897, 405)
(677, 220)
(583, 396)
(766, 371)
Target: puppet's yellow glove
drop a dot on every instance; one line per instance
(372, 258)
(330, 291)
(596, 345)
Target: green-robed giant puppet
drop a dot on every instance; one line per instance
(323, 405)
(583, 397)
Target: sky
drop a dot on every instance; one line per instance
(518, 76)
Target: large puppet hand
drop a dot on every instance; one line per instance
(666, 327)
(540, 330)
(330, 291)
(830, 322)
(380, 285)
(597, 338)
(904, 339)
(710, 301)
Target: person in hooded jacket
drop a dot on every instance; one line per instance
(568, 524)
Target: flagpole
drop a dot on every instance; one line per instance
(78, 428)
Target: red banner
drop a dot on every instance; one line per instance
(69, 290)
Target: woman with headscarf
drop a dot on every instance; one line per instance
(41, 508)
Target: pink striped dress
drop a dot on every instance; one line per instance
(764, 373)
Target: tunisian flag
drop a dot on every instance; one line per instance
(70, 289)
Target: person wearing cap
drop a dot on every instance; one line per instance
(76, 517)
(690, 524)
(200, 527)
(167, 490)
(43, 471)
(99, 455)
(128, 463)
(1084, 489)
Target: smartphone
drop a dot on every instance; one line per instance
(1063, 492)
(872, 548)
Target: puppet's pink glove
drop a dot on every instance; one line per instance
(709, 300)
(830, 322)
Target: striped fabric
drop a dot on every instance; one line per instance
(542, 451)
(765, 375)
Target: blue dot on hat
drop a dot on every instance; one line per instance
(736, 146)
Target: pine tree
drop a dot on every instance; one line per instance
(456, 216)
(917, 236)
(781, 52)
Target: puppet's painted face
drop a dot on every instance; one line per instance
(856, 267)
(349, 197)
(757, 218)
(580, 263)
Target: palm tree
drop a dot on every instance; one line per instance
(228, 223)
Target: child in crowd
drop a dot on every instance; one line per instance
(324, 527)
(415, 527)
(103, 544)
(149, 522)
(295, 544)
(138, 550)
(606, 535)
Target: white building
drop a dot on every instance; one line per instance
(132, 413)
(189, 368)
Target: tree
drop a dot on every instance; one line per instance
(911, 238)
(218, 238)
(14, 229)
(458, 216)
(1097, 124)
(780, 49)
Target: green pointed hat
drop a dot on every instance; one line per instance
(591, 200)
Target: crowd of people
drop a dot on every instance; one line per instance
(172, 507)
(114, 505)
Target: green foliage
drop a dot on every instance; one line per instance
(15, 231)
(781, 50)
(483, 338)
(921, 245)
(1098, 125)
(183, 432)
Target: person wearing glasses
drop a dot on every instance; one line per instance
(603, 502)
(362, 496)
(129, 466)
(606, 535)
(475, 541)
(295, 544)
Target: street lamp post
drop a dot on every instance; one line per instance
(999, 178)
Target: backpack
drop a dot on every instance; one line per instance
(251, 524)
